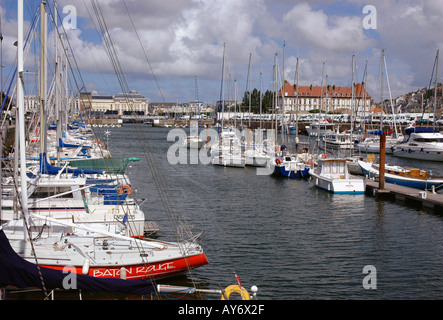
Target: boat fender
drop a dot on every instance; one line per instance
(85, 269)
(127, 188)
(235, 289)
(278, 161)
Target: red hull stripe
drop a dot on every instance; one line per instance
(144, 271)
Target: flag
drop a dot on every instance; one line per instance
(238, 279)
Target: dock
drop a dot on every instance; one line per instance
(150, 228)
(410, 196)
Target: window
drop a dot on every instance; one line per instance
(45, 192)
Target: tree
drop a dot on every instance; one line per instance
(267, 99)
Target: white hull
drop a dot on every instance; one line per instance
(332, 175)
(346, 186)
(421, 146)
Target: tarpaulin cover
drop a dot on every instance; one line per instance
(15, 271)
(47, 168)
(408, 131)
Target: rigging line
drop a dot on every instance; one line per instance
(72, 64)
(28, 231)
(109, 46)
(144, 51)
(159, 181)
(74, 78)
(117, 69)
(67, 46)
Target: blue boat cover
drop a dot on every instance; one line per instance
(47, 168)
(376, 132)
(15, 271)
(408, 131)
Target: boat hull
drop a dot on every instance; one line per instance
(148, 271)
(354, 186)
(418, 153)
(423, 184)
(283, 171)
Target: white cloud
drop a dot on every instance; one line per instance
(183, 38)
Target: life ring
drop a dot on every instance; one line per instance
(310, 164)
(127, 188)
(278, 161)
(235, 289)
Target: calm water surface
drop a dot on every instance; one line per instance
(288, 238)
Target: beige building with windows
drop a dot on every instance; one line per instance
(119, 105)
(328, 99)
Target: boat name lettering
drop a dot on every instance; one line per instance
(121, 216)
(134, 271)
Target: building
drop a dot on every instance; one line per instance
(132, 103)
(176, 109)
(328, 99)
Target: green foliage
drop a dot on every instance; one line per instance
(267, 101)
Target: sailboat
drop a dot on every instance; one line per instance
(256, 151)
(288, 164)
(371, 144)
(90, 250)
(227, 151)
(193, 140)
(423, 143)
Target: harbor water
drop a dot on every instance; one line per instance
(284, 236)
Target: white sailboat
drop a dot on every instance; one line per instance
(193, 140)
(423, 143)
(227, 151)
(56, 243)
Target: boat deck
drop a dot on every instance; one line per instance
(411, 196)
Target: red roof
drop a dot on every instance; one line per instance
(332, 91)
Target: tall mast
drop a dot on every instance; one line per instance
(261, 99)
(381, 89)
(222, 107)
(21, 112)
(435, 88)
(296, 106)
(249, 89)
(42, 77)
(57, 85)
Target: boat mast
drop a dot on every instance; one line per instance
(390, 98)
(42, 77)
(296, 108)
(381, 90)
(21, 113)
(248, 88)
(261, 99)
(352, 104)
(222, 106)
(435, 88)
(57, 86)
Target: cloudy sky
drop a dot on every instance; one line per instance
(184, 39)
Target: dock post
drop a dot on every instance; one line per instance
(381, 182)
